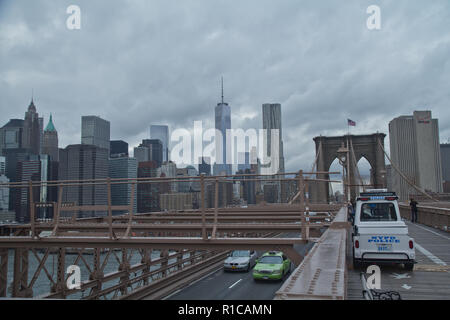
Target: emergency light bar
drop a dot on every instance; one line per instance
(379, 194)
(378, 197)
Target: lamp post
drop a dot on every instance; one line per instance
(344, 161)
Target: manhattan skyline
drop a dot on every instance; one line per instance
(155, 63)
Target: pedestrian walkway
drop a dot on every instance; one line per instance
(430, 279)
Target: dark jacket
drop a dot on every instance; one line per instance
(413, 205)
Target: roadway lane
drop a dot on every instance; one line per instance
(430, 279)
(221, 285)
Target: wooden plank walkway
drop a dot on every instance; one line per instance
(430, 279)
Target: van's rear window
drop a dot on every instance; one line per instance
(378, 212)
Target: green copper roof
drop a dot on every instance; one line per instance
(50, 126)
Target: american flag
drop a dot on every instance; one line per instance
(351, 123)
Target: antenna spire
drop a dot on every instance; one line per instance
(222, 89)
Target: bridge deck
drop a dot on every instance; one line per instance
(430, 279)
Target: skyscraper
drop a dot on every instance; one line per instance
(118, 148)
(141, 154)
(204, 166)
(11, 135)
(161, 132)
(445, 160)
(95, 131)
(26, 170)
(156, 150)
(123, 167)
(415, 150)
(82, 162)
(50, 141)
(223, 123)
(244, 161)
(271, 121)
(150, 150)
(149, 193)
(35, 168)
(2, 165)
(32, 130)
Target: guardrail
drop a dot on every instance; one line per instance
(322, 274)
(438, 218)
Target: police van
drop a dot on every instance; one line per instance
(379, 234)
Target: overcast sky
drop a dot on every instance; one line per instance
(137, 63)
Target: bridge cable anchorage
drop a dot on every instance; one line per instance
(404, 177)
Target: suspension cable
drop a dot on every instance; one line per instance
(403, 176)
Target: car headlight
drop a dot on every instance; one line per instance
(277, 271)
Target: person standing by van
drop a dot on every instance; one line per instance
(413, 204)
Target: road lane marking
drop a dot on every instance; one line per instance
(438, 234)
(430, 256)
(405, 286)
(401, 276)
(192, 283)
(235, 284)
(172, 294)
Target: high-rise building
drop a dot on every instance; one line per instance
(35, 168)
(32, 130)
(155, 149)
(244, 161)
(248, 187)
(95, 131)
(149, 193)
(82, 162)
(169, 170)
(4, 194)
(13, 156)
(223, 149)
(445, 160)
(414, 146)
(204, 166)
(178, 201)
(26, 170)
(11, 135)
(118, 148)
(225, 194)
(272, 121)
(141, 154)
(50, 141)
(2, 165)
(123, 167)
(161, 132)
(271, 192)
(149, 150)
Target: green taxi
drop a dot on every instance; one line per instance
(271, 266)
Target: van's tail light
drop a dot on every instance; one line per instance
(357, 244)
(411, 244)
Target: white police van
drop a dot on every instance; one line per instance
(379, 234)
